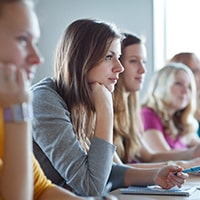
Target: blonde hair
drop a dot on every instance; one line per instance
(158, 98)
(186, 58)
(127, 121)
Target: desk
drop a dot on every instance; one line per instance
(193, 181)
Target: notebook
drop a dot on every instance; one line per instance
(157, 190)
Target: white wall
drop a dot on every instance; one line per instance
(129, 15)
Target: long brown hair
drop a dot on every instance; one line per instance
(83, 45)
(127, 122)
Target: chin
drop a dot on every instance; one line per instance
(110, 89)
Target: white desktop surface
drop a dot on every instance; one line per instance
(193, 181)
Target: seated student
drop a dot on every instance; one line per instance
(168, 109)
(73, 124)
(131, 148)
(19, 33)
(193, 62)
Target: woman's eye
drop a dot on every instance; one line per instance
(144, 62)
(138, 61)
(178, 83)
(108, 57)
(23, 40)
(133, 61)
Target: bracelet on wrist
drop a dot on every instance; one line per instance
(18, 113)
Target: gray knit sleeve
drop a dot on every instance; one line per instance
(117, 175)
(61, 155)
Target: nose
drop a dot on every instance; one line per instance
(185, 89)
(142, 68)
(118, 67)
(35, 57)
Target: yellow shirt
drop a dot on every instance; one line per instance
(41, 183)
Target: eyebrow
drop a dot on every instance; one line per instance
(113, 53)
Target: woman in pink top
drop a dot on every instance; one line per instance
(153, 121)
(168, 109)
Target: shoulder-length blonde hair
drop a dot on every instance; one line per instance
(127, 123)
(82, 46)
(158, 98)
(187, 58)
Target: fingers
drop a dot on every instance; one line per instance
(10, 74)
(176, 180)
(7, 74)
(101, 95)
(21, 78)
(171, 176)
(13, 82)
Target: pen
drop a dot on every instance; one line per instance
(106, 190)
(192, 169)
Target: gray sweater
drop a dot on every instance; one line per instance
(59, 152)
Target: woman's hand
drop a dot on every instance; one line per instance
(102, 98)
(14, 86)
(166, 177)
(104, 112)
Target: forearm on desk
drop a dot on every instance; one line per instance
(138, 176)
(17, 161)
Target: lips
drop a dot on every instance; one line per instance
(140, 79)
(114, 80)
